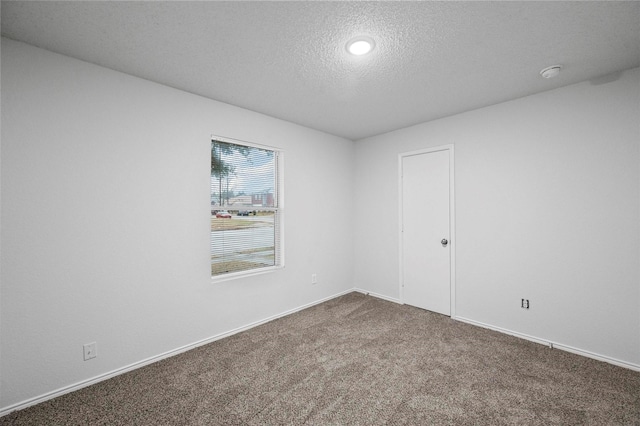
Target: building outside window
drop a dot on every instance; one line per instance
(246, 208)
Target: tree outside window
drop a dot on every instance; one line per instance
(245, 212)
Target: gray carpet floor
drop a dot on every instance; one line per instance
(357, 360)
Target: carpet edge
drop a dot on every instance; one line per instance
(139, 364)
(552, 345)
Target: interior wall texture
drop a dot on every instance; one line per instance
(104, 218)
(105, 221)
(547, 196)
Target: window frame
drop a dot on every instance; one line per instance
(279, 226)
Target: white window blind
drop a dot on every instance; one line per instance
(245, 208)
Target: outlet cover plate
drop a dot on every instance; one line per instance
(90, 351)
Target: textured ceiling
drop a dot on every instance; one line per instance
(288, 59)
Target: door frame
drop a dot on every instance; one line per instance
(452, 238)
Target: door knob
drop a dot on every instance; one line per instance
(444, 242)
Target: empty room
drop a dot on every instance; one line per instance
(415, 213)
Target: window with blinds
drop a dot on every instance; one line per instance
(245, 208)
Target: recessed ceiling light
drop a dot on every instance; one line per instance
(360, 45)
(551, 71)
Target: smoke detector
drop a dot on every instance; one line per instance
(551, 71)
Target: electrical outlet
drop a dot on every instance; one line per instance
(524, 303)
(90, 351)
(314, 279)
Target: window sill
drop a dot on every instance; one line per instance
(243, 274)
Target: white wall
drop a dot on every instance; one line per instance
(548, 208)
(105, 218)
(105, 221)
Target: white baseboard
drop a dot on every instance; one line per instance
(379, 296)
(83, 384)
(554, 345)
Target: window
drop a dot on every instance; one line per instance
(245, 208)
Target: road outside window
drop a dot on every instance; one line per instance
(245, 208)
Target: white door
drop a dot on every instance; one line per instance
(425, 231)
